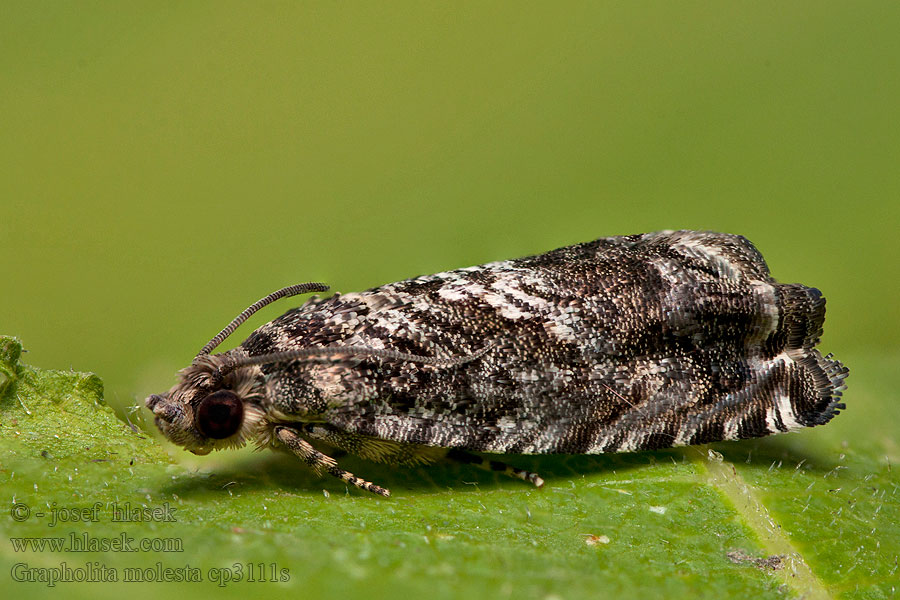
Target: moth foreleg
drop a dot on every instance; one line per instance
(373, 448)
(494, 465)
(321, 462)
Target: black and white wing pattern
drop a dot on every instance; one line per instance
(624, 343)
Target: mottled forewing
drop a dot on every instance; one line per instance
(624, 343)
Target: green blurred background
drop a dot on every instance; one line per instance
(164, 164)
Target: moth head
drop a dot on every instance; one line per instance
(206, 411)
(217, 402)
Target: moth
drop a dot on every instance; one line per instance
(621, 344)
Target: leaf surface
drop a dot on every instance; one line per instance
(811, 515)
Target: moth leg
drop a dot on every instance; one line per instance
(372, 448)
(320, 462)
(494, 465)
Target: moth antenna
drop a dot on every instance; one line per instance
(632, 405)
(291, 290)
(335, 351)
(620, 396)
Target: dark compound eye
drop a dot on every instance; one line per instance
(219, 415)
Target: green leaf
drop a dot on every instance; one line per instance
(698, 522)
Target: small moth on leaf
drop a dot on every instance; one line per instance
(625, 343)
